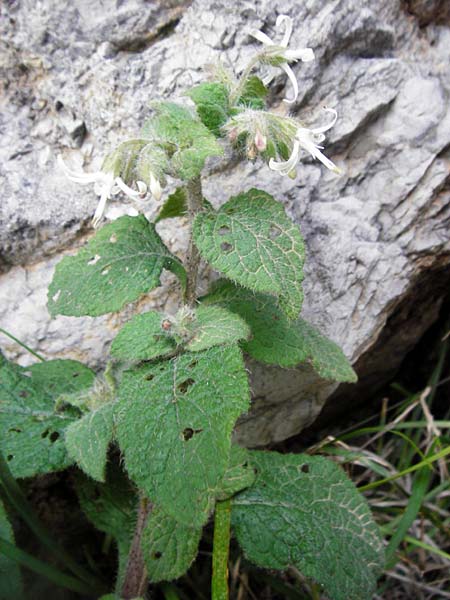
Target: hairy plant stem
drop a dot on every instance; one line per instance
(194, 204)
(221, 547)
(135, 582)
(237, 92)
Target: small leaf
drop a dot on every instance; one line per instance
(172, 418)
(87, 440)
(188, 140)
(278, 341)
(174, 206)
(111, 507)
(31, 431)
(142, 338)
(211, 101)
(10, 577)
(252, 241)
(254, 93)
(239, 475)
(303, 511)
(169, 547)
(120, 263)
(213, 326)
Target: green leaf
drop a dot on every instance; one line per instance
(303, 511)
(174, 206)
(189, 141)
(120, 263)
(212, 103)
(112, 508)
(143, 338)
(275, 339)
(252, 241)
(10, 576)
(168, 546)
(213, 326)
(31, 431)
(174, 421)
(239, 475)
(254, 93)
(87, 440)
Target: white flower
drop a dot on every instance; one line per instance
(105, 186)
(309, 140)
(280, 52)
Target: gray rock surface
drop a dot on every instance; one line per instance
(77, 78)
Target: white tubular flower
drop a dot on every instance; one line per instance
(309, 140)
(280, 55)
(105, 186)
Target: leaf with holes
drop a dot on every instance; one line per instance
(239, 475)
(212, 104)
(143, 338)
(120, 263)
(87, 440)
(213, 326)
(31, 431)
(252, 241)
(168, 546)
(10, 577)
(189, 141)
(172, 462)
(275, 339)
(111, 507)
(303, 511)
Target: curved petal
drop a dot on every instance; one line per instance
(126, 189)
(261, 37)
(100, 209)
(285, 167)
(155, 187)
(303, 54)
(307, 143)
(288, 31)
(290, 73)
(78, 176)
(318, 130)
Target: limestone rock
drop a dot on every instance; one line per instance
(77, 78)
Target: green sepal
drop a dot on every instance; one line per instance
(303, 511)
(120, 263)
(174, 206)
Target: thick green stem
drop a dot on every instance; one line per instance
(221, 548)
(194, 205)
(17, 499)
(136, 580)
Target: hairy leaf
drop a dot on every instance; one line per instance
(303, 511)
(174, 424)
(143, 338)
(31, 431)
(239, 475)
(275, 339)
(213, 326)
(211, 101)
(189, 141)
(169, 547)
(252, 241)
(112, 508)
(87, 440)
(174, 206)
(120, 263)
(254, 93)
(10, 576)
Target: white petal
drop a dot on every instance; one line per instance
(319, 130)
(78, 177)
(284, 167)
(290, 73)
(126, 189)
(261, 37)
(288, 32)
(142, 187)
(306, 143)
(100, 209)
(303, 54)
(155, 187)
